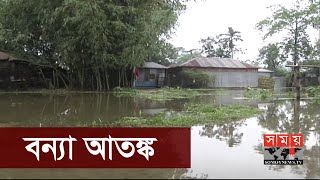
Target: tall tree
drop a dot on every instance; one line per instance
(165, 53)
(223, 45)
(272, 56)
(230, 39)
(213, 47)
(293, 22)
(96, 41)
(185, 56)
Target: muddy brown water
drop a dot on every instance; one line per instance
(230, 150)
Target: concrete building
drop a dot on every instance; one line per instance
(223, 72)
(150, 75)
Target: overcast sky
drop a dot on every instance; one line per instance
(211, 17)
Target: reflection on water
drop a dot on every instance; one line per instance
(228, 132)
(230, 150)
(73, 109)
(245, 157)
(93, 173)
(89, 108)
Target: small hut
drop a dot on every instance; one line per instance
(150, 75)
(17, 73)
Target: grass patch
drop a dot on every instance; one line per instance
(313, 91)
(290, 94)
(118, 91)
(306, 92)
(195, 115)
(258, 93)
(219, 91)
(166, 93)
(162, 94)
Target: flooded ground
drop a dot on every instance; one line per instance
(231, 150)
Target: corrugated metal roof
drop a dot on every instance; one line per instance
(153, 65)
(207, 62)
(265, 70)
(4, 56)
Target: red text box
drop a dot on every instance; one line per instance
(171, 148)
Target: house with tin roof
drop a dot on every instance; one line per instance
(222, 72)
(150, 75)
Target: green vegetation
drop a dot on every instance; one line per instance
(186, 56)
(91, 45)
(293, 22)
(197, 79)
(119, 91)
(258, 93)
(290, 93)
(219, 91)
(313, 91)
(195, 115)
(162, 94)
(223, 45)
(272, 56)
(167, 93)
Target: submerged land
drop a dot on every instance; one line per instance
(192, 113)
(222, 122)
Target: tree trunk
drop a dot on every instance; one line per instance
(107, 81)
(296, 80)
(119, 78)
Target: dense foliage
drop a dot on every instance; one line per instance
(195, 79)
(293, 22)
(91, 44)
(272, 55)
(223, 45)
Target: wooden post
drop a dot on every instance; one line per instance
(319, 76)
(297, 81)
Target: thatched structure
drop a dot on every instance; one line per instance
(18, 73)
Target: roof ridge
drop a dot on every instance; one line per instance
(217, 62)
(154, 64)
(189, 61)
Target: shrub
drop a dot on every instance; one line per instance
(195, 79)
(313, 91)
(258, 93)
(120, 91)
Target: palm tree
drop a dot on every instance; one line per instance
(230, 39)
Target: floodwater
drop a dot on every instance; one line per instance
(230, 150)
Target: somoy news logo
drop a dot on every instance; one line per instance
(283, 149)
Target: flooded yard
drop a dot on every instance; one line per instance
(219, 150)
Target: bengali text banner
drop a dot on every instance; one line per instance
(95, 148)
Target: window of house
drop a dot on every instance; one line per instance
(152, 76)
